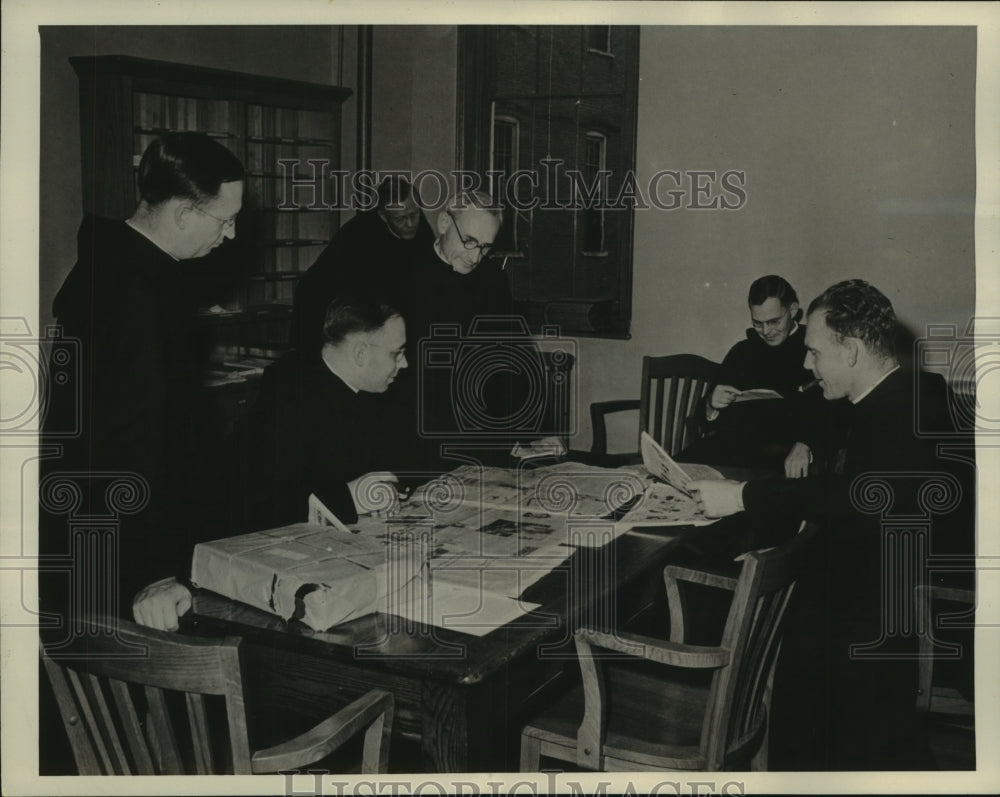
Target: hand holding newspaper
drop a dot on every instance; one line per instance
(660, 464)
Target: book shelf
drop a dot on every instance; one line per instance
(287, 135)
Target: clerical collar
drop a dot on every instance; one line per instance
(333, 370)
(149, 238)
(879, 382)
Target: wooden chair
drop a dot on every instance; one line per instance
(115, 686)
(672, 387)
(650, 704)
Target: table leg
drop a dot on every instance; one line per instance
(445, 731)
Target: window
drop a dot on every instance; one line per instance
(504, 154)
(599, 39)
(544, 103)
(503, 163)
(595, 150)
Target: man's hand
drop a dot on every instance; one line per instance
(375, 493)
(797, 461)
(160, 605)
(717, 497)
(722, 396)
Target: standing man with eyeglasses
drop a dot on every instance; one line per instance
(129, 303)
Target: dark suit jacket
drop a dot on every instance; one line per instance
(363, 254)
(308, 432)
(834, 709)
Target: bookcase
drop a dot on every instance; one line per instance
(287, 135)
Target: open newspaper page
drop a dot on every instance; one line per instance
(756, 394)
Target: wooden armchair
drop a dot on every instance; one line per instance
(650, 704)
(672, 388)
(115, 686)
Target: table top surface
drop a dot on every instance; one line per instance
(396, 645)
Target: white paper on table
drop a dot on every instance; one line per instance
(461, 608)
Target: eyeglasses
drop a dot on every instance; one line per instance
(771, 323)
(398, 354)
(469, 243)
(227, 224)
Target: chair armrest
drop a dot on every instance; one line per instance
(678, 573)
(599, 410)
(676, 654)
(373, 710)
(676, 606)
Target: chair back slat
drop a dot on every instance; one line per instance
(201, 740)
(750, 693)
(672, 387)
(236, 714)
(83, 703)
(106, 725)
(131, 728)
(162, 740)
(753, 633)
(84, 752)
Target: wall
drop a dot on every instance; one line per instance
(859, 152)
(413, 114)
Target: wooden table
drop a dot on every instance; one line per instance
(464, 698)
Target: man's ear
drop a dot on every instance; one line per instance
(793, 311)
(359, 353)
(182, 212)
(443, 222)
(852, 346)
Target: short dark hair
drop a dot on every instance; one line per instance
(394, 190)
(186, 165)
(771, 286)
(855, 309)
(356, 311)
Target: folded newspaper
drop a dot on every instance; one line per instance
(315, 573)
(756, 394)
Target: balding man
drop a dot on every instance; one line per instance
(455, 282)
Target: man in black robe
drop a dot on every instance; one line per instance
(136, 457)
(373, 251)
(845, 686)
(316, 428)
(777, 433)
